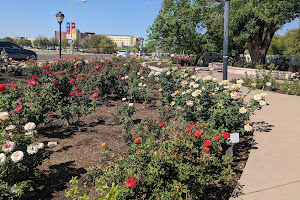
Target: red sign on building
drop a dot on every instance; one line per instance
(73, 25)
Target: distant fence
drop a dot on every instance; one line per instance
(290, 60)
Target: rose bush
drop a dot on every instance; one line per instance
(166, 161)
(19, 157)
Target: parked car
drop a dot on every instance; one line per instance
(16, 52)
(122, 53)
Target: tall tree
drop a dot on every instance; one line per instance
(256, 22)
(180, 26)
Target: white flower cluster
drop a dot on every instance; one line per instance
(260, 98)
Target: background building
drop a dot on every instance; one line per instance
(128, 40)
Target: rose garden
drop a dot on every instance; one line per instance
(129, 132)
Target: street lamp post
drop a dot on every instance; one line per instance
(71, 48)
(60, 18)
(226, 35)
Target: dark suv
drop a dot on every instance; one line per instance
(16, 52)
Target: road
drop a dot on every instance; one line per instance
(53, 56)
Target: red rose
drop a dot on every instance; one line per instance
(54, 82)
(206, 149)
(74, 73)
(207, 143)
(79, 94)
(69, 75)
(34, 77)
(198, 133)
(20, 100)
(60, 73)
(188, 129)
(72, 81)
(217, 137)
(226, 135)
(50, 72)
(34, 94)
(12, 82)
(43, 72)
(31, 83)
(120, 76)
(3, 87)
(118, 68)
(95, 95)
(137, 140)
(48, 115)
(137, 151)
(52, 75)
(19, 108)
(76, 88)
(71, 93)
(46, 67)
(14, 85)
(161, 123)
(130, 183)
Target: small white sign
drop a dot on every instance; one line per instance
(234, 137)
(70, 40)
(268, 84)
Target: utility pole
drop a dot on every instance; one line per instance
(226, 35)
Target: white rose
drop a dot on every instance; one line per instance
(138, 73)
(194, 77)
(29, 126)
(243, 110)
(225, 82)
(190, 103)
(236, 86)
(39, 145)
(196, 93)
(157, 74)
(168, 73)
(143, 77)
(52, 144)
(241, 82)
(32, 149)
(29, 134)
(4, 115)
(14, 189)
(215, 80)
(2, 159)
(123, 78)
(257, 97)
(17, 156)
(144, 85)
(126, 77)
(263, 95)
(235, 95)
(248, 128)
(140, 84)
(130, 104)
(192, 84)
(9, 146)
(10, 127)
(123, 99)
(196, 85)
(262, 103)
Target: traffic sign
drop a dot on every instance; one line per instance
(70, 40)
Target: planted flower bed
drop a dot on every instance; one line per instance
(180, 151)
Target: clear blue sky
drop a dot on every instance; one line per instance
(31, 18)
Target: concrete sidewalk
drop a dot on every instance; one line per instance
(272, 171)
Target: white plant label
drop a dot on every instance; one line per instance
(234, 137)
(268, 84)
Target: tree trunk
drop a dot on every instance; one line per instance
(258, 46)
(197, 58)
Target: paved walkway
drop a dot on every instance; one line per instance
(272, 171)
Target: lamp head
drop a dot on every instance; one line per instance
(60, 17)
(83, 1)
